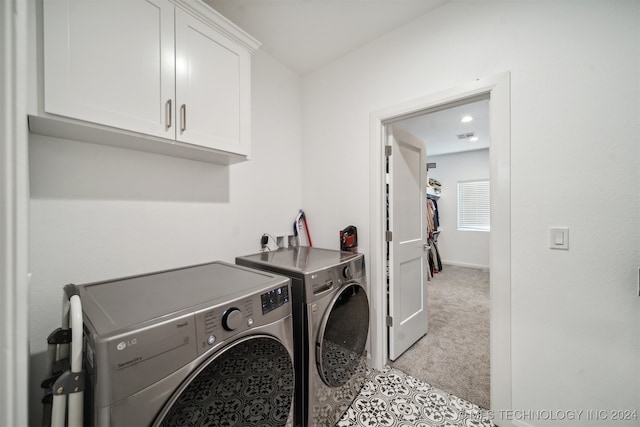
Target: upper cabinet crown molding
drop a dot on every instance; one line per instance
(215, 20)
(174, 73)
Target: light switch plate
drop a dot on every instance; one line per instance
(559, 238)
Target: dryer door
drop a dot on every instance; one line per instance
(249, 383)
(343, 335)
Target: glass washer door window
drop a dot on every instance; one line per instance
(343, 336)
(249, 384)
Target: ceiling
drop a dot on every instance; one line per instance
(305, 35)
(441, 129)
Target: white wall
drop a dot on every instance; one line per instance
(574, 131)
(466, 248)
(100, 212)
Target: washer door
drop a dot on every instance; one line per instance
(343, 335)
(250, 383)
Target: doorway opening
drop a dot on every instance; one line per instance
(497, 88)
(450, 349)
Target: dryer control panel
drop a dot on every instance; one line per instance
(318, 284)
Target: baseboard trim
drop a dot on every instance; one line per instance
(464, 264)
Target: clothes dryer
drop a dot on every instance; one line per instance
(331, 325)
(210, 344)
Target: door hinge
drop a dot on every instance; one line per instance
(389, 321)
(388, 150)
(389, 236)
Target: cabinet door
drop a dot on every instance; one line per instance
(110, 62)
(212, 87)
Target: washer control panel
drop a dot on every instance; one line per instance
(218, 323)
(232, 319)
(274, 299)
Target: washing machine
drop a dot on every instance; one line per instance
(331, 324)
(210, 344)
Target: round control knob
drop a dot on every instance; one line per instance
(232, 319)
(346, 272)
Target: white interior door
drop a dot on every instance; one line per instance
(407, 254)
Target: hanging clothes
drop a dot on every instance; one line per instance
(433, 223)
(433, 217)
(431, 226)
(436, 216)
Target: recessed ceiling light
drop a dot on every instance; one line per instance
(473, 139)
(466, 119)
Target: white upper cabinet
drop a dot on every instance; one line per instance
(212, 81)
(173, 70)
(110, 62)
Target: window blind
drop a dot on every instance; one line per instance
(474, 205)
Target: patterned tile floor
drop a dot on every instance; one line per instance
(393, 398)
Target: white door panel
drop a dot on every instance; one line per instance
(109, 64)
(407, 221)
(209, 86)
(411, 293)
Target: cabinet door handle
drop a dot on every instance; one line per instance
(183, 117)
(168, 111)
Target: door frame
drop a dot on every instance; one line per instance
(14, 216)
(498, 88)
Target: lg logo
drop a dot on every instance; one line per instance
(123, 344)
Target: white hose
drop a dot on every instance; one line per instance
(63, 349)
(59, 402)
(76, 398)
(71, 317)
(58, 407)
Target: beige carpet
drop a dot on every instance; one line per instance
(454, 355)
